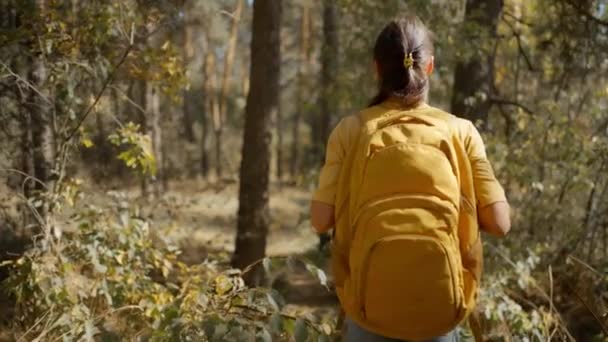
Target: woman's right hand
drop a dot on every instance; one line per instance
(495, 218)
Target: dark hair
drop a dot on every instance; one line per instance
(396, 41)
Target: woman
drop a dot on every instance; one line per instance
(404, 61)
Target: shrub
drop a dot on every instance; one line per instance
(106, 276)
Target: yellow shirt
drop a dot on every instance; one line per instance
(487, 188)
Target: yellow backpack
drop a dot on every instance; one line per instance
(406, 253)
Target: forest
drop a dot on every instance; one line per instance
(158, 159)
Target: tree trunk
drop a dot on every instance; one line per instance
(208, 96)
(41, 125)
(262, 100)
(27, 148)
(219, 117)
(139, 92)
(187, 116)
(188, 54)
(11, 20)
(218, 130)
(205, 143)
(329, 66)
(154, 130)
(104, 159)
(230, 56)
(474, 78)
(294, 164)
(212, 107)
(27, 162)
(279, 127)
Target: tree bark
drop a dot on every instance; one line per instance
(188, 54)
(137, 91)
(11, 19)
(220, 115)
(205, 142)
(474, 78)
(206, 96)
(329, 68)
(43, 142)
(154, 130)
(262, 100)
(211, 107)
(230, 56)
(41, 116)
(27, 148)
(279, 126)
(304, 60)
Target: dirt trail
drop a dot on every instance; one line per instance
(205, 219)
(200, 216)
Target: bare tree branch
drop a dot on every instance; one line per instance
(520, 46)
(107, 82)
(586, 13)
(20, 79)
(508, 102)
(27, 176)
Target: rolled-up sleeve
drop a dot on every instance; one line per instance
(487, 188)
(334, 157)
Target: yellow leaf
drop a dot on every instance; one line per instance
(326, 328)
(86, 142)
(223, 284)
(120, 258)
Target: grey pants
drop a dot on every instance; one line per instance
(355, 333)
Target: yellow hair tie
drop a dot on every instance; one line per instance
(408, 61)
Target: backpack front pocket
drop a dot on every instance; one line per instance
(410, 283)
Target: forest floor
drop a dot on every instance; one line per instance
(201, 219)
(202, 215)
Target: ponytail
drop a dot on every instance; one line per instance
(402, 51)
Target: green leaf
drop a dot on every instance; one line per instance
(203, 300)
(90, 331)
(264, 335)
(317, 272)
(99, 268)
(220, 331)
(273, 303)
(223, 284)
(276, 323)
(209, 325)
(322, 277)
(301, 331)
(289, 326)
(326, 328)
(323, 338)
(267, 264)
(277, 297)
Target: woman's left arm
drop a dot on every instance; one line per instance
(322, 216)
